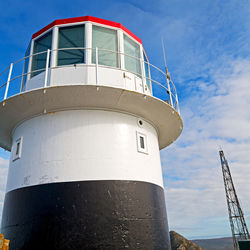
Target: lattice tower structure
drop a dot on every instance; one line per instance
(236, 217)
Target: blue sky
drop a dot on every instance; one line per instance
(208, 55)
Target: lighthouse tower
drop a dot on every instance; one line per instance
(84, 115)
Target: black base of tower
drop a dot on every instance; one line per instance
(86, 215)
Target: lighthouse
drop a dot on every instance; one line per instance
(84, 115)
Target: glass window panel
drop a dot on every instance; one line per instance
(105, 39)
(39, 61)
(132, 55)
(142, 142)
(71, 37)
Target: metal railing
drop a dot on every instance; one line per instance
(14, 78)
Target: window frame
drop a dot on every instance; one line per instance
(32, 52)
(57, 37)
(141, 149)
(140, 58)
(18, 144)
(118, 53)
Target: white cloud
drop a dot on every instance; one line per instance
(217, 115)
(3, 178)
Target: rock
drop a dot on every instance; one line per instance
(178, 242)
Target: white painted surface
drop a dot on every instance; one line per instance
(82, 74)
(69, 75)
(84, 145)
(130, 83)
(111, 77)
(36, 81)
(138, 84)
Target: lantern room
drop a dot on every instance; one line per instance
(86, 50)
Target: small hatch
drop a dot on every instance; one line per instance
(17, 149)
(141, 142)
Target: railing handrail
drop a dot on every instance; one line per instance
(71, 65)
(170, 88)
(84, 48)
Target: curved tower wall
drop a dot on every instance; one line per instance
(83, 145)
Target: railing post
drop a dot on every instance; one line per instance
(142, 75)
(149, 78)
(46, 69)
(8, 81)
(96, 64)
(170, 93)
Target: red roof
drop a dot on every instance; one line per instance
(84, 19)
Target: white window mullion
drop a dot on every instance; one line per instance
(53, 61)
(30, 60)
(121, 49)
(88, 42)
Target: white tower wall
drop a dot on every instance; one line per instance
(81, 145)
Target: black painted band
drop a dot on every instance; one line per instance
(86, 215)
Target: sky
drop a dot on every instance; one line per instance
(208, 55)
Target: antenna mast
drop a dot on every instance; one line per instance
(236, 218)
(167, 73)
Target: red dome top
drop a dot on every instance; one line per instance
(84, 19)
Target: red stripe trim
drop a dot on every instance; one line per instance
(84, 19)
